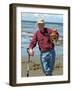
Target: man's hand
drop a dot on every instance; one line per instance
(31, 52)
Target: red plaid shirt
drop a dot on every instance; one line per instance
(43, 39)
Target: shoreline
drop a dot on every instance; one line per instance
(58, 68)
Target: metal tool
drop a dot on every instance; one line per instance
(28, 62)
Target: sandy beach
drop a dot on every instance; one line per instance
(35, 68)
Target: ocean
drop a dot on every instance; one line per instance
(31, 27)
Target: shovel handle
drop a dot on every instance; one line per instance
(28, 62)
(27, 50)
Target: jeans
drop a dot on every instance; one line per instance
(48, 61)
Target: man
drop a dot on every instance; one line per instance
(44, 38)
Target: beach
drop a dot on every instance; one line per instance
(35, 68)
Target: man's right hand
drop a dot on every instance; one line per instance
(31, 52)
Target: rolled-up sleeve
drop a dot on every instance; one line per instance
(33, 41)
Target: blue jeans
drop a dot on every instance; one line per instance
(48, 61)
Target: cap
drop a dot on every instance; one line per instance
(40, 21)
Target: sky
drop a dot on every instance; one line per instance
(47, 17)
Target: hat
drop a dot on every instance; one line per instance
(40, 21)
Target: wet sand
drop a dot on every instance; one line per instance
(35, 68)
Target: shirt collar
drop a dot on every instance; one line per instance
(43, 31)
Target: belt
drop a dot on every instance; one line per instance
(47, 50)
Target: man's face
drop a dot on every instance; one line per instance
(41, 26)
